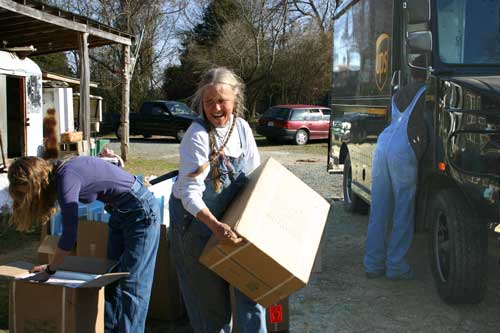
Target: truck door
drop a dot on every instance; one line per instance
(145, 120)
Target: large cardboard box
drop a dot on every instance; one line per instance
(92, 239)
(47, 249)
(71, 301)
(282, 220)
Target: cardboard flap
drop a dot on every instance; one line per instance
(89, 265)
(15, 269)
(103, 280)
(49, 245)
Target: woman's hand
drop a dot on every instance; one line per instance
(226, 235)
(222, 231)
(42, 274)
(39, 268)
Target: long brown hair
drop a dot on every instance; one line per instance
(33, 190)
(218, 76)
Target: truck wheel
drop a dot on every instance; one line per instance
(301, 137)
(458, 249)
(352, 202)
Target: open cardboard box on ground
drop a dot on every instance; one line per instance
(282, 220)
(72, 300)
(92, 240)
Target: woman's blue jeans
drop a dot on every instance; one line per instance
(134, 232)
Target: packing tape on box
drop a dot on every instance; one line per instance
(229, 255)
(274, 289)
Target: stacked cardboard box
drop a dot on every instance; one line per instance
(166, 300)
(282, 220)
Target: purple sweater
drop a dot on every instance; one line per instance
(86, 179)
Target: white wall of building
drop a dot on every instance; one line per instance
(60, 99)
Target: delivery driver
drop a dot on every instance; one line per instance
(394, 179)
(217, 152)
(134, 228)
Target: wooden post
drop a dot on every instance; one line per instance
(125, 102)
(84, 87)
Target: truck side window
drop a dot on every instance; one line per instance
(157, 110)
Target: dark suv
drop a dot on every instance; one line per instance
(296, 122)
(159, 118)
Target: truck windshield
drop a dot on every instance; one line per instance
(469, 31)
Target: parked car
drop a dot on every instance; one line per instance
(168, 118)
(296, 122)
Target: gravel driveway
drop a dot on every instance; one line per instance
(340, 298)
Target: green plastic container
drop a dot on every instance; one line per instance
(100, 144)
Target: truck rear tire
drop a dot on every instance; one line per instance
(458, 249)
(352, 202)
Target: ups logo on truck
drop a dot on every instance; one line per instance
(382, 61)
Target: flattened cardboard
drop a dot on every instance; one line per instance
(283, 220)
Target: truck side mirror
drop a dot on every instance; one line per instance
(419, 10)
(419, 42)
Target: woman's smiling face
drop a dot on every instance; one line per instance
(218, 104)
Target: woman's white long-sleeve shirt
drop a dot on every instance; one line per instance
(195, 150)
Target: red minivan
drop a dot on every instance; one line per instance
(296, 122)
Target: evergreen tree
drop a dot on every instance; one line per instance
(179, 82)
(55, 63)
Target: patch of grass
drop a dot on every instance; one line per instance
(158, 167)
(12, 239)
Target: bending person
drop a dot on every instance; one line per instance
(394, 181)
(134, 228)
(217, 152)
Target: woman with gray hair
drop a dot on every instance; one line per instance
(217, 153)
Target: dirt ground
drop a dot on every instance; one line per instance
(341, 299)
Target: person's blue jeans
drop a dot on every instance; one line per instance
(206, 295)
(393, 200)
(134, 232)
